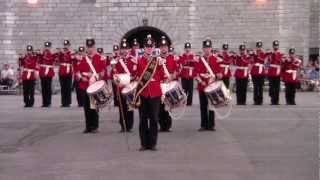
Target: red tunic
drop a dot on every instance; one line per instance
(275, 64)
(203, 73)
(133, 52)
(290, 70)
(187, 64)
(171, 64)
(242, 66)
(258, 63)
(29, 64)
(46, 62)
(65, 63)
(75, 66)
(84, 69)
(153, 88)
(107, 68)
(224, 63)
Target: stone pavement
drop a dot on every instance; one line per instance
(254, 143)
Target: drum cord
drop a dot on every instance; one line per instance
(219, 116)
(179, 116)
(123, 118)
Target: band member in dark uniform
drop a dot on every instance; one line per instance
(87, 77)
(46, 72)
(274, 73)
(206, 65)
(258, 73)
(65, 73)
(241, 62)
(29, 75)
(224, 60)
(171, 50)
(100, 51)
(187, 73)
(290, 77)
(78, 57)
(115, 57)
(150, 73)
(165, 120)
(124, 64)
(135, 47)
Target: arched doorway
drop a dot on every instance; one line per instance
(141, 32)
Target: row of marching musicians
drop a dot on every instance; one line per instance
(149, 84)
(41, 63)
(150, 79)
(261, 64)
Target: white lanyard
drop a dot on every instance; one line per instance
(207, 67)
(91, 67)
(124, 66)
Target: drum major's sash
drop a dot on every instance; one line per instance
(145, 79)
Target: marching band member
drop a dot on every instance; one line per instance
(87, 77)
(78, 57)
(100, 51)
(206, 67)
(65, 73)
(125, 64)
(113, 61)
(224, 60)
(258, 73)
(290, 76)
(187, 62)
(165, 121)
(29, 75)
(241, 62)
(274, 72)
(46, 73)
(135, 47)
(150, 73)
(171, 50)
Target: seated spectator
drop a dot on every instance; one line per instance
(7, 75)
(313, 73)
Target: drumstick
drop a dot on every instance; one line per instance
(123, 118)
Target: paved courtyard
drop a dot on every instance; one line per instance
(254, 143)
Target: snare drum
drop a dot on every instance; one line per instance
(129, 91)
(217, 93)
(100, 92)
(122, 79)
(174, 96)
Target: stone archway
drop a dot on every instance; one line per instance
(141, 32)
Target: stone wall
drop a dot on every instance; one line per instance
(293, 22)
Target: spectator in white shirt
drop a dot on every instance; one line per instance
(7, 75)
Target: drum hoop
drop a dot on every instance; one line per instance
(130, 87)
(97, 90)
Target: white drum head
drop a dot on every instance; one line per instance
(123, 78)
(165, 87)
(174, 84)
(212, 86)
(129, 87)
(96, 86)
